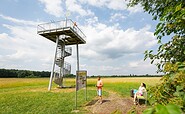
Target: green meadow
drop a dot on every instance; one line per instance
(30, 95)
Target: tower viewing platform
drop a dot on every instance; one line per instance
(73, 35)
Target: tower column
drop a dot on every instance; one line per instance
(53, 68)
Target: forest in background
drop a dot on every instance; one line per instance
(15, 73)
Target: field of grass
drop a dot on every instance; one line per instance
(30, 95)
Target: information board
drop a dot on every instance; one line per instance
(81, 79)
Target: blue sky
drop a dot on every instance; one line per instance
(117, 36)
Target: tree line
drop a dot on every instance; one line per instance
(15, 73)
(130, 75)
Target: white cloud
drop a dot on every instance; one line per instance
(113, 4)
(19, 21)
(133, 64)
(77, 6)
(91, 21)
(117, 4)
(111, 42)
(74, 6)
(26, 49)
(135, 9)
(117, 17)
(110, 50)
(53, 7)
(97, 3)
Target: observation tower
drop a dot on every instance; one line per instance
(63, 33)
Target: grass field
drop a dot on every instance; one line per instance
(30, 95)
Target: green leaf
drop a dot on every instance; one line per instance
(178, 8)
(162, 110)
(173, 109)
(149, 111)
(152, 61)
(150, 51)
(155, 17)
(179, 88)
(176, 94)
(146, 52)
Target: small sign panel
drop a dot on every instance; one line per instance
(81, 79)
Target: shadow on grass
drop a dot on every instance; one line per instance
(103, 101)
(66, 87)
(92, 102)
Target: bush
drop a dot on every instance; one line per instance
(171, 89)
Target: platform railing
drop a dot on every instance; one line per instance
(55, 25)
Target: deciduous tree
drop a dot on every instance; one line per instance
(170, 56)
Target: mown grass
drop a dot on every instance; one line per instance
(123, 86)
(30, 95)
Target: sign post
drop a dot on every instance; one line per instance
(81, 82)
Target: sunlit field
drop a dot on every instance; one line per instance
(31, 95)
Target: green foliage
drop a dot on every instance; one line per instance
(170, 56)
(22, 73)
(172, 86)
(70, 76)
(8, 73)
(171, 15)
(172, 51)
(13, 73)
(160, 109)
(132, 110)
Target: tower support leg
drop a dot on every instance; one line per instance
(77, 53)
(53, 68)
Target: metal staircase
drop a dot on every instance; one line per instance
(61, 67)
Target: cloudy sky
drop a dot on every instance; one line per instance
(116, 36)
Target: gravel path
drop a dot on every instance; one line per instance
(113, 104)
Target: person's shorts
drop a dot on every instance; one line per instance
(135, 91)
(99, 92)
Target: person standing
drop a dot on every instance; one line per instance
(99, 86)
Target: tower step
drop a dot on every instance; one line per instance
(67, 52)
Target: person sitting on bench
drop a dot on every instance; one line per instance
(140, 91)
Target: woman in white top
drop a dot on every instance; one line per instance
(140, 91)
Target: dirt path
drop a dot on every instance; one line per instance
(113, 104)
